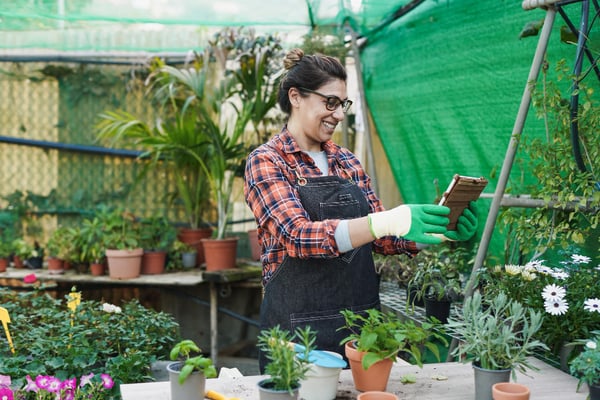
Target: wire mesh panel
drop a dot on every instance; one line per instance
(48, 147)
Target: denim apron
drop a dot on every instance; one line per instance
(313, 291)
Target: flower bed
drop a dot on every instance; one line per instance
(71, 337)
(568, 294)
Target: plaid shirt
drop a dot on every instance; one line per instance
(284, 227)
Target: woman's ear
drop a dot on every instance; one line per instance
(294, 96)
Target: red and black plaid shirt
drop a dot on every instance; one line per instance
(284, 226)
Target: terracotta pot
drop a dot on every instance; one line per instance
(373, 395)
(18, 262)
(55, 265)
(153, 262)
(3, 264)
(510, 391)
(193, 237)
(255, 248)
(124, 264)
(220, 253)
(373, 379)
(97, 269)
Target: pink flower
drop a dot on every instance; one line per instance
(69, 384)
(31, 386)
(31, 278)
(4, 381)
(86, 379)
(42, 381)
(6, 394)
(107, 381)
(54, 385)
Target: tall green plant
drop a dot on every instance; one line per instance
(196, 136)
(173, 141)
(571, 196)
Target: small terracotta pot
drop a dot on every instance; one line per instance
(97, 269)
(510, 391)
(374, 395)
(55, 265)
(373, 379)
(3, 264)
(220, 253)
(18, 262)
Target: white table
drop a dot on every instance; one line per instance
(547, 384)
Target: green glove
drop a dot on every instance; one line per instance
(466, 225)
(414, 222)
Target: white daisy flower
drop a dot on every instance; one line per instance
(535, 264)
(512, 269)
(558, 274)
(553, 292)
(592, 305)
(542, 269)
(577, 259)
(591, 345)
(558, 307)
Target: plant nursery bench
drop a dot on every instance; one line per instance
(449, 381)
(176, 282)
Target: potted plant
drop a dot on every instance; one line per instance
(188, 372)
(586, 365)
(285, 367)
(497, 337)
(56, 248)
(438, 281)
(375, 340)
(156, 237)
(31, 253)
(8, 232)
(183, 254)
(120, 240)
(6, 251)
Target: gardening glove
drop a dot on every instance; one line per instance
(466, 225)
(416, 222)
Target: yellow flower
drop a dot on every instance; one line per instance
(74, 300)
(512, 269)
(528, 276)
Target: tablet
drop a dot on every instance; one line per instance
(460, 192)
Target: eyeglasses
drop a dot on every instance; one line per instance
(331, 102)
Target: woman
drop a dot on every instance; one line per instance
(318, 218)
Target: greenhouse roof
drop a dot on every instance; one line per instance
(176, 26)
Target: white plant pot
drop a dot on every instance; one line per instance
(193, 388)
(321, 383)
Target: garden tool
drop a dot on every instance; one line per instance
(5, 321)
(212, 395)
(320, 358)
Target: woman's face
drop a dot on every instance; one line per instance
(311, 123)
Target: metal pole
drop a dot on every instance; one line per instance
(512, 146)
(363, 99)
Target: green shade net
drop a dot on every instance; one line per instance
(444, 84)
(124, 25)
(443, 81)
